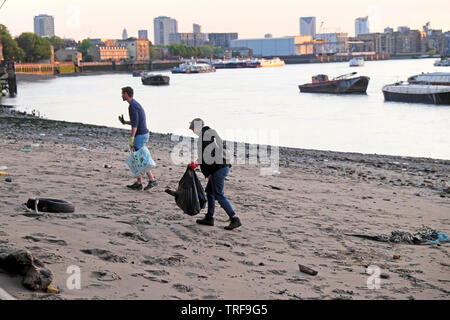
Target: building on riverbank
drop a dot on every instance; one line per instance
(137, 49)
(68, 55)
(404, 41)
(189, 39)
(105, 53)
(163, 27)
(285, 46)
(222, 40)
(44, 26)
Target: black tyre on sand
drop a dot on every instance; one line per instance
(51, 205)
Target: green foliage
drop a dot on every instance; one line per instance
(83, 48)
(11, 50)
(57, 43)
(154, 54)
(35, 47)
(181, 50)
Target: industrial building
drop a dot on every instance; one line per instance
(271, 47)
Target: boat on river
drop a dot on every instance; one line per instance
(343, 84)
(429, 88)
(444, 62)
(194, 67)
(356, 62)
(155, 79)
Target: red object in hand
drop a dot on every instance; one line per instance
(193, 165)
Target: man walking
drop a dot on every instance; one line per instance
(215, 166)
(139, 133)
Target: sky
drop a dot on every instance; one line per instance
(80, 19)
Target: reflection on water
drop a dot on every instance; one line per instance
(260, 100)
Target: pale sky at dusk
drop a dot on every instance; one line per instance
(80, 19)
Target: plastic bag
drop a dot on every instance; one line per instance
(190, 195)
(140, 162)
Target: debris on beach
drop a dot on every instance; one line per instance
(26, 150)
(396, 256)
(105, 275)
(8, 179)
(424, 235)
(33, 145)
(307, 270)
(50, 205)
(35, 276)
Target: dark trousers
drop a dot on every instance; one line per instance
(214, 191)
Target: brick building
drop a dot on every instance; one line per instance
(108, 53)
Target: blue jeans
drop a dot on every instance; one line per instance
(214, 191)
(140, 140)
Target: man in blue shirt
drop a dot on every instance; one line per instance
(139, 133)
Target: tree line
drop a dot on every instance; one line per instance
(28, 47)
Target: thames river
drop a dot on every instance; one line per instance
(260, 106)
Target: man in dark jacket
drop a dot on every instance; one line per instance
(215, 166)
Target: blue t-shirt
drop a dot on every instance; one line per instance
(137, 117)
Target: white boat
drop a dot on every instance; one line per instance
(444, 62)
(194, 67)
(357, 62)
(264, 63)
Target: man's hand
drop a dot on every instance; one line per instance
(193, 165)
(121, 119)
(132, 142)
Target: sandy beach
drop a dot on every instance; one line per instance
(140, 245)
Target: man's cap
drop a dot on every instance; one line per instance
(197, 122)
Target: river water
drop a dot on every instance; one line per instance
(260, 106)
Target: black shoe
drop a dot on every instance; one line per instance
(208, 220)
(135, 186)
(151, 184)
(234, 223)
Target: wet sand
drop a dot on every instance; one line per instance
(139, 245)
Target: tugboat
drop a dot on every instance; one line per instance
(342, 84)
(155, 79)
(430, 88)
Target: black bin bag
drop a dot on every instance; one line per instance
(190, 195)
